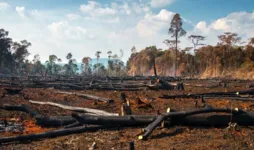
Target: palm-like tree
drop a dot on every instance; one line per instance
(97, 54)
(86, 61)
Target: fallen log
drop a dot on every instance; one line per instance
(50, 134)
(13, 91)
(93, 97)
(222, 120)
(52, 121)
(231, 98)
(212, 94)
(126, 121)
(244, 119)
(149, 129)
(78, 109)
(21, 107)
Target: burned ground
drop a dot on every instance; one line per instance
(172, 137)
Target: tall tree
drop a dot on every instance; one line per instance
(121, 54)
(226, 41)
(20, 54)
(86, 69)
(186, 50)
(110, 64)
(6, 59)
(72, 67)
(38, 68)
(228, 38)
(51, 67)
(97, 54)
(176, 31)
(109, 54)
(195, 39)
(152, 54)
(99, 68)
(133, 49)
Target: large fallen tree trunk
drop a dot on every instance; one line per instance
(131, 120)
(93, 97)
(50, 134)
(52, 121)
(194, 120)
(79, 109)
(222, 120)
(149, 129)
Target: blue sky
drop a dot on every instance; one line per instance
(83, 27)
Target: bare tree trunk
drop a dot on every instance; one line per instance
(154, 68)
(79, 109)
(176, 56)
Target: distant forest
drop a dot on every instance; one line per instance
(226, 59)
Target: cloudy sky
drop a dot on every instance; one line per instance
(83, 27)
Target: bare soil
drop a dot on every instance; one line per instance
(176, 137)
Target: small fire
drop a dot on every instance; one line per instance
(26, 126)
(31, 127)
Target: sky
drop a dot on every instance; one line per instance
(84, 27)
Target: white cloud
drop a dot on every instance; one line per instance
(126, 9)
(63, 30)
(21, 11)
(140, 8)
(35, 12)
(151, 24)
(73, 16)
(95, 9)
(4, 6)
(90, 6)
(201, 26)
(130, 7)
(113, 20)
(241, 23)
(220, 24)
(161, 3)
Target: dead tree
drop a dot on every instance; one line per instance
(79, 109)
(149, 129)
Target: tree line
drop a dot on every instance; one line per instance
(14, 61)
(229, 58)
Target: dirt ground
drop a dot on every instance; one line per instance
(173, 137)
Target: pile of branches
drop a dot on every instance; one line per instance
(86, 83)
